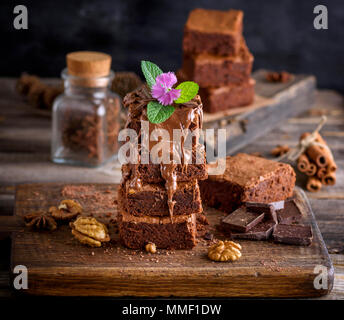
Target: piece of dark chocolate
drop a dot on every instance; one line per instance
(278, 205)
(290, 214)
(241, 220)
(261, 231)
(257, 207)
(293, 234)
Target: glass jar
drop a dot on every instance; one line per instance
(86, 121)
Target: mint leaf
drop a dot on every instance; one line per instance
(158, 113)
(189, 89)
(150, 71)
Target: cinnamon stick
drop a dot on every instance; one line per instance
(312, 170)
(331, 167)
(313, 184)
(329, 179)
(320, 155)
(303, 163)
(321, 172)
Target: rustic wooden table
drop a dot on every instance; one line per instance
(25, 154)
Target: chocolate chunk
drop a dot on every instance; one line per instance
(208, 236)
(293, 234)
(261, 231)
(278, 205)
(241, 220)
(257, 207)
(289, 214)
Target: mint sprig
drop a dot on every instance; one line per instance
(150, 71)
(188, 90)
(158, 113)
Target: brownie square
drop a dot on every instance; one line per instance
(216, 71)
(213, 31)
(151, 173)
(293, 234)
(151, 199)
(136, 232)
(248, 179)
(228, 97)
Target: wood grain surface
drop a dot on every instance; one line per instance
(24, 158)
(60, 265)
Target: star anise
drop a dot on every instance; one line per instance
(40, 221)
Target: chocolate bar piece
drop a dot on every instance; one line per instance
(290, 214)
(261, 231)
(267, 208)
(136, 232)
(151, 199)
(213, 31)
(293, 234)
(228, 97)
(278, 205)
(248, 179)
(215, 71)
(241, 220)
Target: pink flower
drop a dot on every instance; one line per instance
(162, 89)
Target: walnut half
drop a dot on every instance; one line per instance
(66, 211)
(224, 251)
(150, 247)
(90, 231)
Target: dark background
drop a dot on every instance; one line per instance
(280, 34)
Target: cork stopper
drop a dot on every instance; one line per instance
(88, 64)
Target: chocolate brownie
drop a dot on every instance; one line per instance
(136, 232)
(228, 97)
(215, 71)
(152, 199)
(213, 31)
(293, 234)
(151, 173)
(248, 179)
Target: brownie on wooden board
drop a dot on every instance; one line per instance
(151, 173)
(228, 97)
(215, 71)
(136, 232)
(248, 179)
(151, 199)
(213, 31)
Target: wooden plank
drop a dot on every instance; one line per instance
(58, 265)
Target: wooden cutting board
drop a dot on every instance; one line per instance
(60, 266)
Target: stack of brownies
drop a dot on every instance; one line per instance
(217, 58)
(160, 203)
